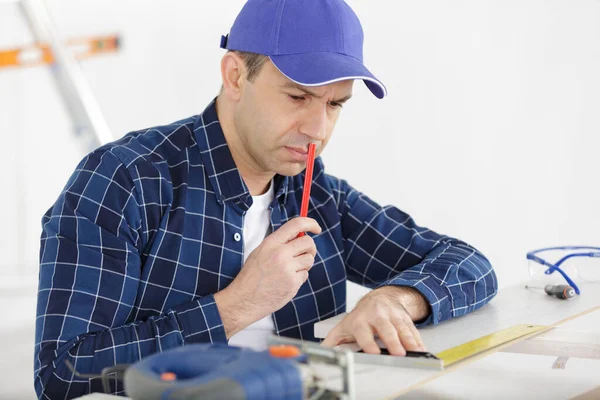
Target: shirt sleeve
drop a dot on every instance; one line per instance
(384, 246)
(88, 281)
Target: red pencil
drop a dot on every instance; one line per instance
(307, 182)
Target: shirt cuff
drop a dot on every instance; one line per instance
(435, 293)
(201, 322)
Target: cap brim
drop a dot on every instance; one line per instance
(323, 68)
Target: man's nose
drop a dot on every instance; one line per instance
(314, 123)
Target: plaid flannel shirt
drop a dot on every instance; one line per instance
(148, 228)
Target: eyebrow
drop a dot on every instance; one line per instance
(292, 85)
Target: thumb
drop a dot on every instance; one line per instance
(331, 340)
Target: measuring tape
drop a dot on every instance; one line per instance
(485, 343)
(42, 54)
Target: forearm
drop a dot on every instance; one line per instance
(385, 247)
(236, 312)
(89, 353)
(454, 277)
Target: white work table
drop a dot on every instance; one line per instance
(495, 374)
(509, 375)
(498, 374)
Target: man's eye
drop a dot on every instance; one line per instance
(296, 98)
(336, 104)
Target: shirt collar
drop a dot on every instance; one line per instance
(222, 172)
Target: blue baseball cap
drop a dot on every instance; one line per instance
(312, 42)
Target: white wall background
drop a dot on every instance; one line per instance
(490, 130)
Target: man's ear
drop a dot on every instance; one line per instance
(233, 72)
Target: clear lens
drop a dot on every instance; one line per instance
(535, 269)
(588, 268)
(539, 278)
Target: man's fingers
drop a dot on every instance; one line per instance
(417, 336)
(388, 334)
(292, 228)
(301, 245)
(406, 336)
(302, 276)
(304, 262)
(365, 339)
(331, 339)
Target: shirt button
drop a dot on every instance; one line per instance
(237, 237)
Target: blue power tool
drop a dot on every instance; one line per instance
(218, 371)
(214, 371)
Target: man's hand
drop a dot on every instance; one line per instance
(271, 276)
(388, 312)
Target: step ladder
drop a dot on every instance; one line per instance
(89, 125)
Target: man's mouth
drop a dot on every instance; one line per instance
(299, 154)
(301, 150)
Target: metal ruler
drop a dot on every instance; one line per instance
(485, 343)
(447, 357)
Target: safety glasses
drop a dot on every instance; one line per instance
(585, 269)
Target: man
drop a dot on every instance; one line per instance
(187, 233)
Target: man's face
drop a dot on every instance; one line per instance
(276, 119)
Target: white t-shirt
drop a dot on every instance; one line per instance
(257, 226)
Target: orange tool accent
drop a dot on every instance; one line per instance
(284, 351)
(168, 376)
(307, 182)
(41, 53)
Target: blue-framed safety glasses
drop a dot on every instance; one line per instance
(585, 269)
